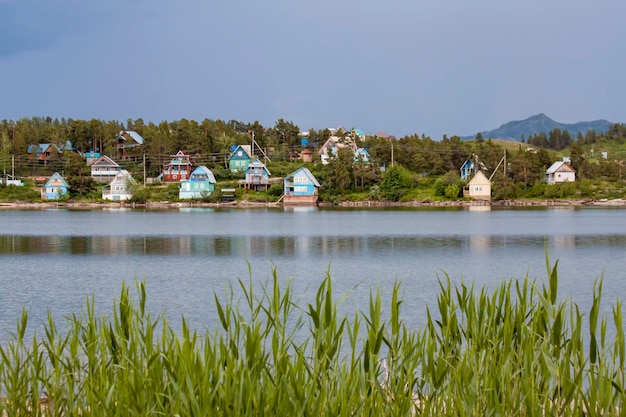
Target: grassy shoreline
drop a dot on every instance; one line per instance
(512, 350)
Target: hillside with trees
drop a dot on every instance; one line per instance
(408, 168)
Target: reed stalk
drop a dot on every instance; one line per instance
(516, 349)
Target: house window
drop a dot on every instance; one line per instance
(239, 153)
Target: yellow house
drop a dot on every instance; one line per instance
(479, 187)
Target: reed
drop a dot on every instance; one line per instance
(513, 350)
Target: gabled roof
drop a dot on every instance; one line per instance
(58, 177)
(560, 166)
(335, 142)
(202, 170)
(180, 159)
(122, 177)
(134, 136)
(478, 179)
(105, 161)
(257, 164)
(42, 147)
(246, 148)
(304, 171)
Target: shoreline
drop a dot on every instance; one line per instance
(618, 202)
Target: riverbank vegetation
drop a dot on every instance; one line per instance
(517, 349)
(410, 168)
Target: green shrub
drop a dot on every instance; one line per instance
(13, 193)
(276, 190)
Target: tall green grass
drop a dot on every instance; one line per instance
(513, 350)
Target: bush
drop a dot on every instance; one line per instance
(452, 191)
(142, 195)
(441, 184)
(396, 181)
(13, 193)
(276, 190)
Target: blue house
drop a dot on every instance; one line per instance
(301, 187)
(361, 156)
(54, 188)
(240, 157)
(257, 176)
(471, 166)
(201, 183)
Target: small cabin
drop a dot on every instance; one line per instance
(120, 188)
(201, 183)
(559, 172)
(257, 177)
(55, 188)
(240, 157)
(44, 152)
(479, 187)
(129, 144)
(178, 169)
(301, 187)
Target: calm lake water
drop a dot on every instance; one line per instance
(53, 259)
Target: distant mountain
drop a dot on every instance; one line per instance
(537, 124)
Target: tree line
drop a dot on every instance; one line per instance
(209, 142)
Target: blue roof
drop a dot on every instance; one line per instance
(41, 148)
(136, 136)
(306, 173)
(206, 171)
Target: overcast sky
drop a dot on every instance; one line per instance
(429, 67)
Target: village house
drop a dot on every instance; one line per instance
(54, 188)
(104, 169)
(361, 157)
(129, 144)
(257, 177)
(300, 187)
(201, 183)
(120, 188)
(471, 166)
(240, 157)
(179, 168)
(91, 157)
(306, 154)
(479, 187)
(43, 152)
(559, 172)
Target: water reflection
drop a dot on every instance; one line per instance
(273, 246)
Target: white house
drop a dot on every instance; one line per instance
(120, 188)
(560, 171)
(479, 187)
(104, 169)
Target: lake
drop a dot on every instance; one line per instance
(53, 259)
